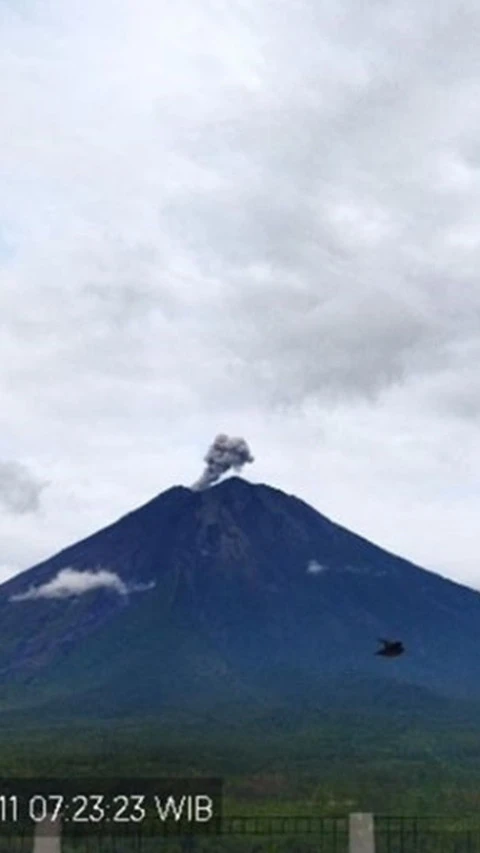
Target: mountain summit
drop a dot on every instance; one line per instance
(238, 591)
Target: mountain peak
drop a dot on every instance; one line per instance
(233, 482)
(236, 584)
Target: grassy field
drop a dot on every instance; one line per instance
(329, 769)
(422, 783)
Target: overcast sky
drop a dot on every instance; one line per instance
(252, 217)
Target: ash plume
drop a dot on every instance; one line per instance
(226, 452)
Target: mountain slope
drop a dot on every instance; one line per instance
(240, 593)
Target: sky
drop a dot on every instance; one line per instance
(250, 217)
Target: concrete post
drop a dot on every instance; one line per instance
(47, 838)
(361, 833)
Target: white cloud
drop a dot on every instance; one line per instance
(71, 582)
(316, 568)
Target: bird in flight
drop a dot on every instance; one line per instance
(391, 648)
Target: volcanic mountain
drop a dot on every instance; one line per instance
(238, 593)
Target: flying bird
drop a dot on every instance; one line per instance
(391, 648)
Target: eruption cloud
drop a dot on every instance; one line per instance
(226, 452)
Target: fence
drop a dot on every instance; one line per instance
(355, 833)
(426, 835)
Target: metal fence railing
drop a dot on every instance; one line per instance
(430, 834)
(16, 842)
(243, 834)
(358, 833)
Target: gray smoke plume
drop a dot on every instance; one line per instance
(226, 452)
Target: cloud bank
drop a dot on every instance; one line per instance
(251, 213)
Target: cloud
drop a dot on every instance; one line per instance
(243, 216)
(19, 490)
(71, 582)
(316, 568)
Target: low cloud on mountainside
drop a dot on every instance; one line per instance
(71, 582)
(315, 568)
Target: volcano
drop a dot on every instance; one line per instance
(239, 592)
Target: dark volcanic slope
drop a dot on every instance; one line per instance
(256, 596)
